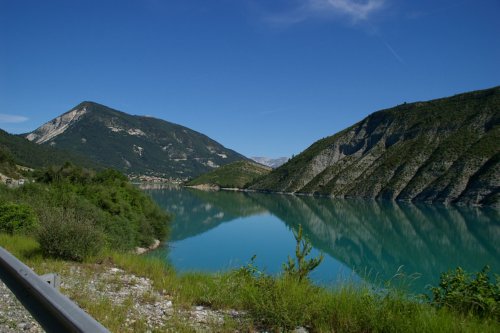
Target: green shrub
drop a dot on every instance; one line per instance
(67, 235)
(66, 173)
(464, 293)
(17, 218)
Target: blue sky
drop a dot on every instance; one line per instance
(263, 77)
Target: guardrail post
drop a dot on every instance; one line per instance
(52, 279)
(54, 311)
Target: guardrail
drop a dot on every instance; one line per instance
(54, 311)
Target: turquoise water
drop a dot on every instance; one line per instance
(361, 239)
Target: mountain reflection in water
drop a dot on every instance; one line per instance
(364, 235)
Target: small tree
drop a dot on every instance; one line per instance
(300, 267)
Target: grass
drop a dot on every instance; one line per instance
(153, 267)
(21, 246)
(280, 302)
(271, 303)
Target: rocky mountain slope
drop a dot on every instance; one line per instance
(133, 144)
(445, 150)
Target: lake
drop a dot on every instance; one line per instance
(362, 240)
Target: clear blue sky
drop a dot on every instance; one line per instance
(262, 77)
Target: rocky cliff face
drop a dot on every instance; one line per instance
(445, 150)
(133, 144)
(56, 126)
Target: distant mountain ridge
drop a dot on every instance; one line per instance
(270, 162)
(445, 150)
(133, 144)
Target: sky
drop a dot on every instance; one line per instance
(262, 77)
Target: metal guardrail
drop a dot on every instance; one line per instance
(54, 311)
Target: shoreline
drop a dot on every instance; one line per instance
(211, 188)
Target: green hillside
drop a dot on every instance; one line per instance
(17, 150)
(235, 175)
(8, 165)
(445, 150)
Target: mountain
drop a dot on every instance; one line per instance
(235, 175)
(445, 150)
(20, 151)
(133, 144)
(271, 162)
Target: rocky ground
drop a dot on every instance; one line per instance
(146, 310)
(154, 309)
(13, 316)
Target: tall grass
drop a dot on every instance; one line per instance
(154, 268)
(21, 246)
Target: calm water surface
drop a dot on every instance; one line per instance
(361, 239)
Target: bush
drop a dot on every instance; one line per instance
(67, 235)
(17, 218)
(131, 214)
(461, 292)
(127, 216)
(67, 173)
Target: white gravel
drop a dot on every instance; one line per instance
(13, 316)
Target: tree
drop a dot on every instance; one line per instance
(300, 267)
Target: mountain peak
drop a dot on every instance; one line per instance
(134, 144)
(57, 126)
(89, 104)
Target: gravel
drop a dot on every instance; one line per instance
(13, 316)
